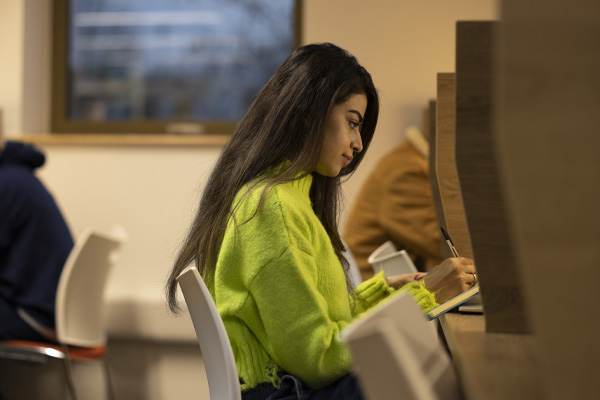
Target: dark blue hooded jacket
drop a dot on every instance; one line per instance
(34, 238)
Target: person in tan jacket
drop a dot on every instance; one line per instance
(395, 203)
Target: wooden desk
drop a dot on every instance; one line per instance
(492, 365)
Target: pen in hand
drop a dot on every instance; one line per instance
(449, 242)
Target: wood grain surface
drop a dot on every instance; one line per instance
(482, 195)
(447, 174)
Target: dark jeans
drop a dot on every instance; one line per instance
(12, 327)
(292, 388)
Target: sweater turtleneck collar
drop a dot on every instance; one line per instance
(303, 184)
(300, 183)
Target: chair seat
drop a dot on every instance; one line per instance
(52, 350)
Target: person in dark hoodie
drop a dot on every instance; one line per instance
(35, 242)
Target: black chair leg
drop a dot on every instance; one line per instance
(68, 369)
(109, 386)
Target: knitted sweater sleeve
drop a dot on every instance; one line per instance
(424, 298)
(369, 293)
(372, 291)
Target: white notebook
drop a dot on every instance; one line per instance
(453, 302)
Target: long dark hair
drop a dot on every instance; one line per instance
(285, 123)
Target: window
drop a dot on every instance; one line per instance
(156, 66)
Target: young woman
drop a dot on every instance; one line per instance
(266, 240)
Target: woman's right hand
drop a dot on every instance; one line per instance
(452, 277)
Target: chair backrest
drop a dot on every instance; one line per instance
(80, 319)
(391, 261)
(354, 270)
(221, 372)
(397, 353)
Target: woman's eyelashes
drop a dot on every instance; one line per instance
(354, 125)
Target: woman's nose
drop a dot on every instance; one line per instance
(356, 144)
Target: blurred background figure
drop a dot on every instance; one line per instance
(395, 203)
(35, 242)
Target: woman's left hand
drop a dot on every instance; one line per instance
(397, 281)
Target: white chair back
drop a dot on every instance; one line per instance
(221, 371)
(80, 326)
(391, 261)
(354, 271)
(80, 311)
(397, 353)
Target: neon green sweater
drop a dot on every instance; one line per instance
(281, 290)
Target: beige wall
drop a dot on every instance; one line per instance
(153, 190)
(11, 65)
(403, 44)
